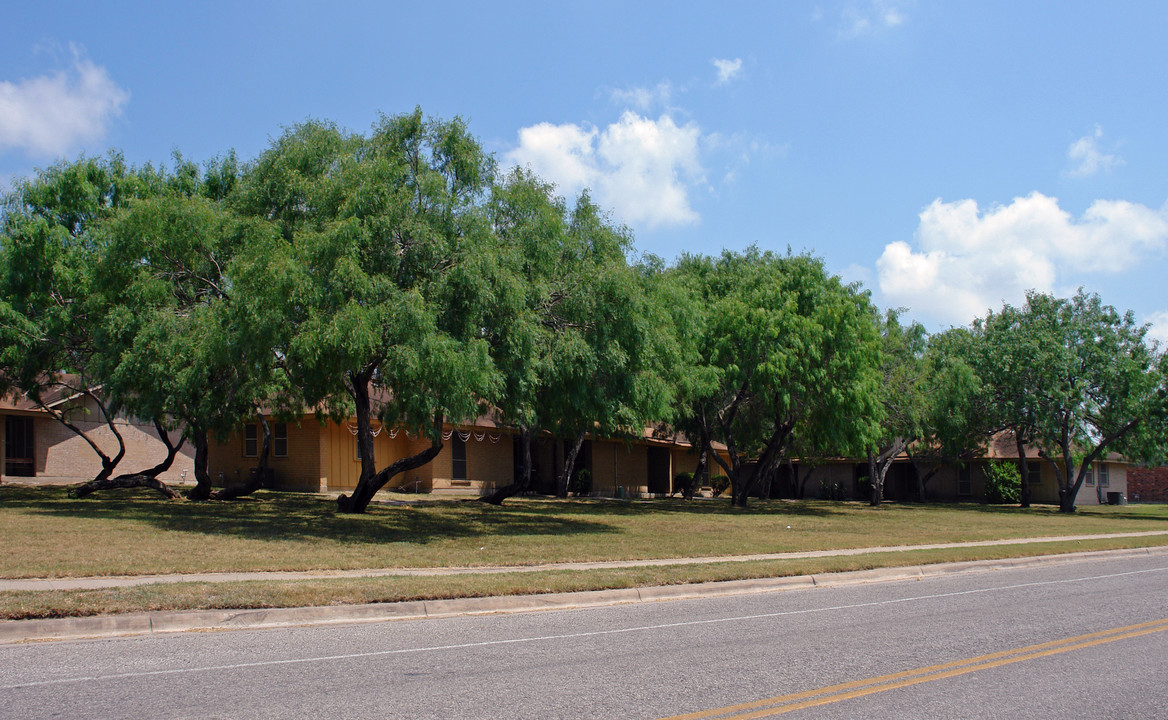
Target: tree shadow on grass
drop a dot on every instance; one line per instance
(287, 516)
(704, 507)
(1100, 512)
(282, 516)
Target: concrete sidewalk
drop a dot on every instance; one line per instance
(112, 581)
(168, 622)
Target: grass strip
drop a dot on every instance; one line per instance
(47, 534)
(22, 605)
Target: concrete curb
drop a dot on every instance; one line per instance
(168, 622)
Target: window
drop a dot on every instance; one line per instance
(964, 481)
(1104, 473)
(1090, 475)
(1034, 473)
(280, 440)
(251, 437)
(458, 458)
(251, 440)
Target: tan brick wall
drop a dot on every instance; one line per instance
(298, 471)
(61, 456)
(615, 464)
(489, 463)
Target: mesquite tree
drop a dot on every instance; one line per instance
(383, 274)
(792, 350)
(1085, 381)
(52, 317)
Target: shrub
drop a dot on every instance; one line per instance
(835, 491)
(684, 483)
(581, 482)
(719, 484)
(1003, 484)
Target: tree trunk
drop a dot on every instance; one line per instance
(1070, 488)
(1023, 471)
(146, 478)
(875, 491)
(368, 487)
(702, 471)
(526, 435)
(802, 492)
(878, 468)
(125, 482)
(202, 488)
(108, 464)
(255, 479)
(569, 466)
(770, 459)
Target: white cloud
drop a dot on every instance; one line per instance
(967, 260)
(643, 98)
(50, 114)
(865, 18)
(641, 169)
(1088, 159)
(727, 69)
(1159, 329)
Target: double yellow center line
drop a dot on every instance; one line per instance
(768, 707)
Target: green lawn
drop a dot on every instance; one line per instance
(46, 534)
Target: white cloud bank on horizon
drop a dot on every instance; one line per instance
(967, 261)
(1088, 159)
(49, 115)
(639, 168)
(727, 69)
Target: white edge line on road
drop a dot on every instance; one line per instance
(565, 636)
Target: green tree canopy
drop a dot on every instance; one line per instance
(384, 277)
(52, 317)
(1079, 379)
(790, 350)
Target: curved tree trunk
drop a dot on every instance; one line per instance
(255, 479)
(146, 478)
(875, 491)
(569, 467)
(367, 487)
(202, 488)
(108, 464)
(124, 482)
(526, 435)
(1023, 471)
(878, 468)
(771, 458)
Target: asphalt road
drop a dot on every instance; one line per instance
(1075, 640)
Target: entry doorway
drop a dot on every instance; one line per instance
(19, 447)
(659, 466)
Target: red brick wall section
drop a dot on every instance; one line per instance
(1147, 484)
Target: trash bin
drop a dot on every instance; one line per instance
(1116, 498)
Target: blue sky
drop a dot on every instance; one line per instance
(949, 155)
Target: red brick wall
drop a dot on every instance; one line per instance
(1147, 484)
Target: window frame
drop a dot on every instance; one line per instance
(458, 459)
(251, 435)
(965, 481)
(279, 435)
